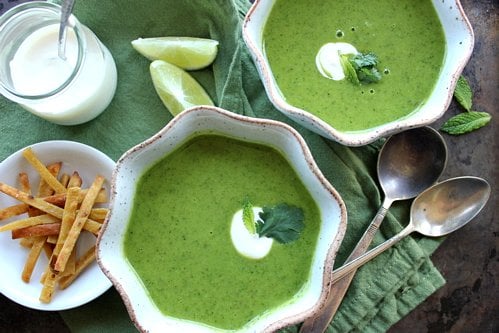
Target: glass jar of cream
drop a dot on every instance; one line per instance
(66, 91)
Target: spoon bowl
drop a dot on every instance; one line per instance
(410, 162)
(438, 211)
(449, 205)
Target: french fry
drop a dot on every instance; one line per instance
(52, 239)
(26, 242)
(71, 264)
(29, 222)
(48, 208)
(11, 211)
(68, 217)
(98, 214)
(45, 174)
(81, 218)
(49, 282)
(81, 264)
(37, 230)
(60, 199)
(24, 181)
(33, 255)
(64, 179)
(75, 180)
(44, 188)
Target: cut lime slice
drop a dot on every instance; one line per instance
(176, 88)
(189, 53)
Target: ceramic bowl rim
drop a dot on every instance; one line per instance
(362, 137)
(332, 248)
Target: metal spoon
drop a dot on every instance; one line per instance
(438, 211)
(408, 163)
(66, 10)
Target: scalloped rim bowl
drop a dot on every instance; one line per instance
(204, 119)
(459, 46)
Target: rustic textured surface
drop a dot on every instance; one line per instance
(467, 259)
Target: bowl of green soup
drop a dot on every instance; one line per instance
(357, 72)
(220, 222)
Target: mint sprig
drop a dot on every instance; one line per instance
(466, 122)
(282, 222)
(463, 93)
(470, 120)
(249, 217)
(361, 68)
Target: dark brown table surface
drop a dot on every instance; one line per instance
(468, 258)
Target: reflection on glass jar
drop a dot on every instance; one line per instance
(67, 92)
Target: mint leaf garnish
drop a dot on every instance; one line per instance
(361, 68)
(249, 217)
(463, 93)
(466, 122)
(282, 222)
(348, 69)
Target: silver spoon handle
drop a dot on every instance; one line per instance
(357, 262)
(66, 10)
(320, 322)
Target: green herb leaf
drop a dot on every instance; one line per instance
(466, 122)
(463, 93)
(348, 69)
(361, 68)
(249, 217)
(362, 60)
(282, 222)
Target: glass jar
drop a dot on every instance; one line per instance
(64, 91)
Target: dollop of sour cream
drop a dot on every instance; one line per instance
(248, 244)
(328, 59)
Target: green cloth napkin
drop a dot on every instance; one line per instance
(383, 291)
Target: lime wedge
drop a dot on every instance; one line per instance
(176, 88)
(189, 53)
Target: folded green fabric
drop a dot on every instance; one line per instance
(383, 291)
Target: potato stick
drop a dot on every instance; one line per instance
(59, 199)
(48, 249)
(37, 230)
(29, 222)
(81, 264)
(98, 214)
(68, 217)
(75, 180)
(26, 242)
(41, 204)
(24, 181)
(49, 283)
(45, 174)
(71, 265)
(64, 179)
(52, 239)
(30, 200)
(81, 218)
(15, 210)
(33, 255)
(44, 188)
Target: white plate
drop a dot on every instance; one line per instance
(92, 283)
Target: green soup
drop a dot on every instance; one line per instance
(178, 239)
(406, 35)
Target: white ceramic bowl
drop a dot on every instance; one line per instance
(459, 43)
(92, 283)
(110, 252)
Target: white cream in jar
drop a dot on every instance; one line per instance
(66, 92)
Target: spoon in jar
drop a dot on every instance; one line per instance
(438, 211)
(409, 162)
(66, 10)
